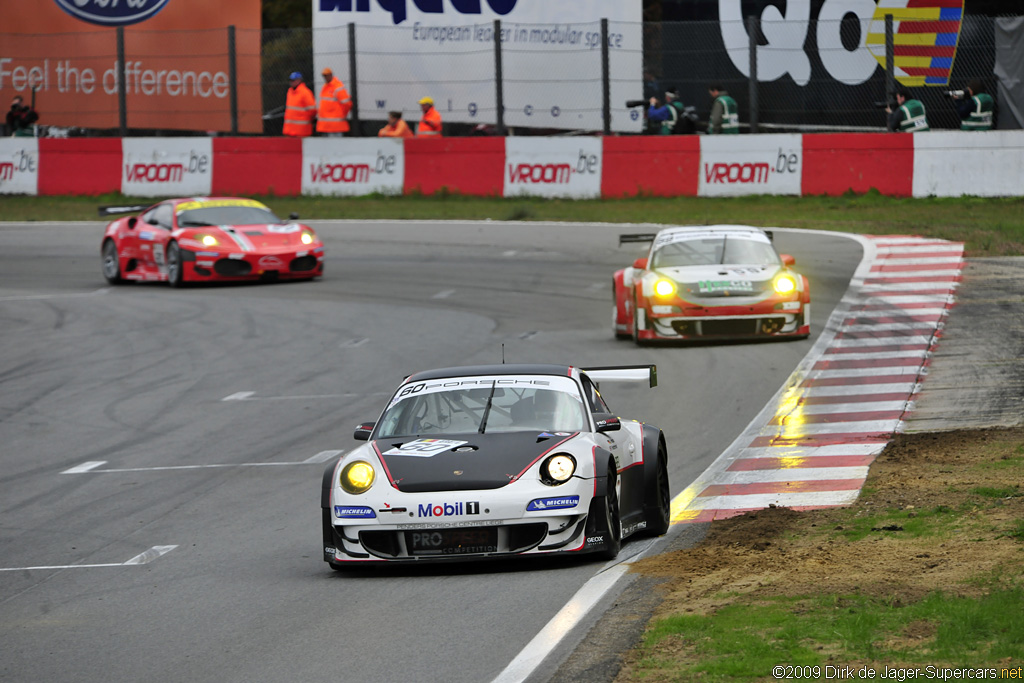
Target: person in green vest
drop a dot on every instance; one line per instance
(975, 107)
(908, 116)
(725, 117)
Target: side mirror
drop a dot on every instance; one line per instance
(640, 263)
(606, 422)
(293, 216)
(131, 222)
(787, 260)
(362, 432)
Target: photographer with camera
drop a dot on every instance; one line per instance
(20, 118)
(908, 116)
(671, 115)
(974, 105)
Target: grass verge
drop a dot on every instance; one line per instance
(924, 570)
(987, 226)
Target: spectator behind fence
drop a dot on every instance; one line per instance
(430, 124)
(396, 127)
(975, 106)
(669, 115)
(725, 117)
(20, 118)
(335, 104)
(299, 108)
(908, 116)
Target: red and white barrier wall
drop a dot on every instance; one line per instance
(941, 163)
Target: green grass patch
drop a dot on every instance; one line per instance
(744, 642)
(987, 226)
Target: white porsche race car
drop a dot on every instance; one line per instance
(496, 461)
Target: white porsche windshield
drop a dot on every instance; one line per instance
(466, 405)
(708, 251)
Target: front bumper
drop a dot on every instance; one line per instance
(263, 265)
(768, 319)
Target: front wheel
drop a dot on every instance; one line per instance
(659, 515)
(610, 522)
(175, 277)
(111, 262)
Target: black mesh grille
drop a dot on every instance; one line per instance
(229, 267)
(302, 263)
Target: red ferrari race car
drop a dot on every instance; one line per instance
(207, 239)
(710, 282)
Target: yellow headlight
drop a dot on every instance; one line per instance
(357, 477)
(307, 238)
(664, 287)
(209, 240)
(785, 284)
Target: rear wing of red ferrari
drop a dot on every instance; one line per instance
(114, 210)
(623, 373)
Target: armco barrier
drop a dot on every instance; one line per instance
(948, 163)
(834, 164)
(664, 167)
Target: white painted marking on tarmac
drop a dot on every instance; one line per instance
(85, 467)
(509, 253)
(443, 294)
(792, 475)
(250, 396)
(876, 355)
(353, 343)
(909, 387)
(238, 396)
(37, 297)
(560, 625)
(868, 372)
(322, 456)
(797, 430)
(865, 407)
(809, 451)
(925, 261)
(877, 341)
(142, 558)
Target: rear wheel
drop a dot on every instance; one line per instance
(174, 268)
(659, 515)
(111, 262)
(612, 529)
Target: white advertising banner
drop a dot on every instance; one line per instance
(444, 49)
(352, 166)
(959, 163)
(166, 167)
(19, 166)
(733, 165)
(553, 167)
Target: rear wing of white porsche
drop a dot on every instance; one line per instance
(623, 373)
(114, 210)
(637, 237)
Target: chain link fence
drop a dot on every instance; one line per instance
(817, 77)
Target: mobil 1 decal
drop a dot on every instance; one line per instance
(732, 165)
(553, 167)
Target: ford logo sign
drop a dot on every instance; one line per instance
(112, 13)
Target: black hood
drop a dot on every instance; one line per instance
(484, 461)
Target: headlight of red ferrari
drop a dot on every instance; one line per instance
(308, 236)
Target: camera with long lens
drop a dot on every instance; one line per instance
(636, 103)
(886, 105)
(954, 94)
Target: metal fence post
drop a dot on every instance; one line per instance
(499, 80)
(233, 79)
(606, 96)
(122, 88)
(356, 127)
(752, 34)
(890, 61)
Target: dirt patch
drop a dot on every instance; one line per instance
(967, 484)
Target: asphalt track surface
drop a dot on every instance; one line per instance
(192, 553)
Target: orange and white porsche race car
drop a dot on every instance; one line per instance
(207, 239)
(710, 282)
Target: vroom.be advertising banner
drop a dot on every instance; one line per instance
(352, 167)
(166, 167)
(176, 62)
(733, 165)
(19, 165)
(444, 49)
(553, 167)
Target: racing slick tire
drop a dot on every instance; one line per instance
(111, 263)
(608, 524)
(175, 274)
(659, 515)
